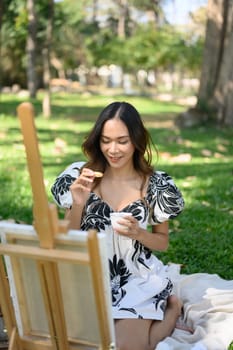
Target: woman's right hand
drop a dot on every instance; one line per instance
(82, 186)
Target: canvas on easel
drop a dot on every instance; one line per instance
(56, 292)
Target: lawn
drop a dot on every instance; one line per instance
(199, 159)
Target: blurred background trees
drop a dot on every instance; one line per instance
(132, 34)
(118, 43)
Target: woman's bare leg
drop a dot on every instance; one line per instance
(162, 329)
(132, 334)
(141, 334)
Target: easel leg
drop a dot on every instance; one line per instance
(49, 276)
(7, 309)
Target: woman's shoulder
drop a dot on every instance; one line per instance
(160, 179)
(164, 197)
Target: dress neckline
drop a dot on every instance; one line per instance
(142, 200)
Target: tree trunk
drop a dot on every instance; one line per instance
(95, 11)
(123, 12)
(1, 14)
(223, 93)
(31, 49)
(156, 10)
(216, 84)
(211, 61)
(46, 61)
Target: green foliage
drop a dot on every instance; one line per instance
(13, 39)
(78, 38)
(199, 160)
(147, 48)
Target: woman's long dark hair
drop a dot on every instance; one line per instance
(139, 136)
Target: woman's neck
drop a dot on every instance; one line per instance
(124, 174)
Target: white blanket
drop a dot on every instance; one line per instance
(208, 310)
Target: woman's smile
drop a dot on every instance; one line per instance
(114, 159)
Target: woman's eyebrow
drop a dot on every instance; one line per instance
(118, 138)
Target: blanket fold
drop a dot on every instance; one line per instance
(208, 310)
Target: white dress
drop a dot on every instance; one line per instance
(139, 284)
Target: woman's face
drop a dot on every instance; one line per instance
(116, 144)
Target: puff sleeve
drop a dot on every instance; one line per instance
(61, 187)
(164, 198)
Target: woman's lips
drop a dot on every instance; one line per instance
(114, 159)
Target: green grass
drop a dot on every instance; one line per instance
(199, 159)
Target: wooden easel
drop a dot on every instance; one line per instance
(44, 251)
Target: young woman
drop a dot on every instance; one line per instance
(119, 148)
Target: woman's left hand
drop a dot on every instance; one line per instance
(130, 227)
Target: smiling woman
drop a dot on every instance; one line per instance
(119, 146)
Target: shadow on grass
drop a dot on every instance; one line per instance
(80, 108)
(70, 111)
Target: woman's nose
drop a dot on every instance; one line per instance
(113, 147)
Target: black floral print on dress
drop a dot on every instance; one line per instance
(96, 214)
(119, 277)
(61, 186)
(160, 299)
(141, 253)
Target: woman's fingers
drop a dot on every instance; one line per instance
(129, 225)
(85, 180)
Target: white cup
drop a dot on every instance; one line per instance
(115, 217)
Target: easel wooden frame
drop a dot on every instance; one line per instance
(25, 245)
(45, 250)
